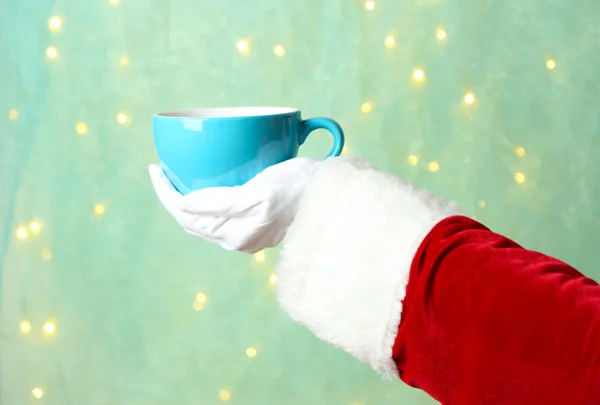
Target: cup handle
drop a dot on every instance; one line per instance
(330, 125)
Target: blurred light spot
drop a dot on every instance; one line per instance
(115, 2)
(250, 352)
(370, 5)
(366, 107)
(273, 279)
(279, 50)
(520, 151)
(346, 150)
(46, 254)
(243, 46)
(81, 128)
(122, 118)
(99, 209)
(54, 23)
(21, 232)
(224, 395)
(35, 226)
(469, 98)
(201, 298)
(198, 306)
(441, 34)
(260, 256)
(418, 75)
(519, 177)
(390, 42)
(25, 326)
(51, 52)
(413, 160)
(481, 203)
(13, 115)
(433, 166)
(124, 61)
(37, 393)
(49, 327)
(550, 64)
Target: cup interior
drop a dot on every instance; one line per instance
(227, 112)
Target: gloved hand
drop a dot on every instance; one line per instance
(246, 218)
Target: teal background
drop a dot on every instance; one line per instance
(120, 286)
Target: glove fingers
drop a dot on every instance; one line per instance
(221, 201)
(204, 224)
(225, 230)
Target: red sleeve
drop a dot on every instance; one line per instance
(485, 321)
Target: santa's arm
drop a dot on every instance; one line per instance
(397, 278)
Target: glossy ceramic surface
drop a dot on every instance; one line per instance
(218, 147)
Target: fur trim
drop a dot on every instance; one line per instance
(346, 258)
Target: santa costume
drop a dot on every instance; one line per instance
(398, 278)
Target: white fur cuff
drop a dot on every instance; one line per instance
(346, 258)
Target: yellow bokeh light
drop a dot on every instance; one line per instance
(273, 279)
(418, 75)
(260, 256)
(25, 326)
(441, 34)
(13, 115)
(366, 107)
(279, 50)
(49, 327)
(21, 232)
(346, 150)
(519, 177)
(520, 151)
(122, 118)
(198, 306)
(46, 254)
(37, 393)
(224, 395)
(201, 298)
(114, 2)
(389, 42)
(99, 209)
(124, 61)
(35, 226)
(481, 203)
(250, 352)
(243, 46)
(469, 98)
(550, 64)
(54, 23)
(433, 166)
(413, 160)
(51, 52)
(81, 128)
(370, 5)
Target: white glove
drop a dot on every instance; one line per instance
(246, 218)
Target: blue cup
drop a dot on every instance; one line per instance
(224, 147)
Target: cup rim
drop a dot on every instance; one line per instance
(226, 112)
